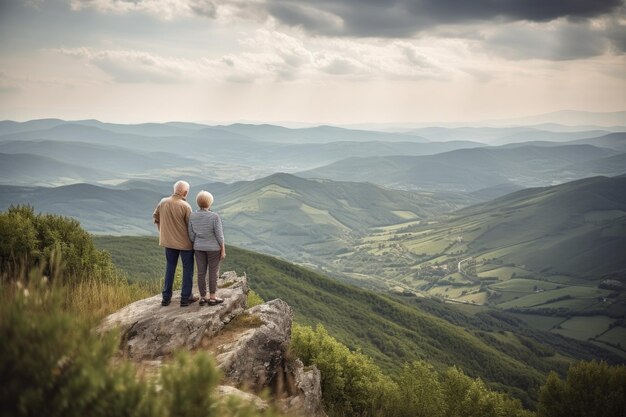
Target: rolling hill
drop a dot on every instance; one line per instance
(109, 158)
(299, 219)
(216, 145)
(467, 169)
(504, 135)
(28, 169)
(541, 253)
(492, 345)
(318, 134)
(309, 220)
(575, 228)
(99, 209)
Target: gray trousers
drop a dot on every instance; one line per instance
(207, 260)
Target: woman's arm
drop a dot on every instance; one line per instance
(192, 235)
(218, 229)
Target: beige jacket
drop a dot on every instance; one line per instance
(172, 217)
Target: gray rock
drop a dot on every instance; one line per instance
(250, 346)
(306, 398)
(150, 331)
(225, 391)
(255, 360)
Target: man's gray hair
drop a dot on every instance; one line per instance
(180, 187)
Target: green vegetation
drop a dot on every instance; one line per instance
(590, 389)
(353, 385)
(55, 365)
(55, 362)
(541, 252)
(30, 240)
(393, 331)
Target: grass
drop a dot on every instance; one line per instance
(615, 336)
(504, 273)
(584, 328)
(523, 285)
(578, 297)
(98, 299)
(539, 322)
(406, 215)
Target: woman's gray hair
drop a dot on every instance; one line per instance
(204, 199)
(180, 187)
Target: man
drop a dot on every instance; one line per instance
(171, 217)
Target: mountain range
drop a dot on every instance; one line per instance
(505, 260)
(172, 150)
(473, 169)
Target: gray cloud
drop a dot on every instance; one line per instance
(203, 8)
(399, 18)
(567, 41)
(616, 33)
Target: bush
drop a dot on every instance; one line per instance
(53, 364)
(590, 389)
(352, 385)
(41, 240)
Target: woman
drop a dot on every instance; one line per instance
(206, 233)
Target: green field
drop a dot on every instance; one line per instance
(523, 285)
(584, 328)
(539, 322)
(615, 336)
(579, 296)
(505, 272)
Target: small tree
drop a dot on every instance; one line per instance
(590, 389)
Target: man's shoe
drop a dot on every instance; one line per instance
(189, 301)
(165, 303)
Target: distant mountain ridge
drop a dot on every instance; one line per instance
(252, 207)
(467, 169)
(27, 169)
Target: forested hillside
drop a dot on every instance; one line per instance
(494, 346)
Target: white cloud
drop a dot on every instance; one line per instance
(137, 66)
(270, 56)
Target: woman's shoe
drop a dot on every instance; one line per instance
(215, 301)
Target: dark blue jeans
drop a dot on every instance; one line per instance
(171, 255)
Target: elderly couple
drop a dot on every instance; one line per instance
(186, 233)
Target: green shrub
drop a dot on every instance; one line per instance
(352, 385)
(254, 299)
(590, 389)
(41, 240)
(52, 363)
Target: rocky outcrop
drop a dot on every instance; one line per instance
(250, 346)
(150, 331)
(256, 358)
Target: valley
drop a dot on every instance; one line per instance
(398, 242)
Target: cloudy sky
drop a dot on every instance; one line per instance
(318, 61)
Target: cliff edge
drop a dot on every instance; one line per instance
(250, 345)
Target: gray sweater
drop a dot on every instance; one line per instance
(205, 230)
